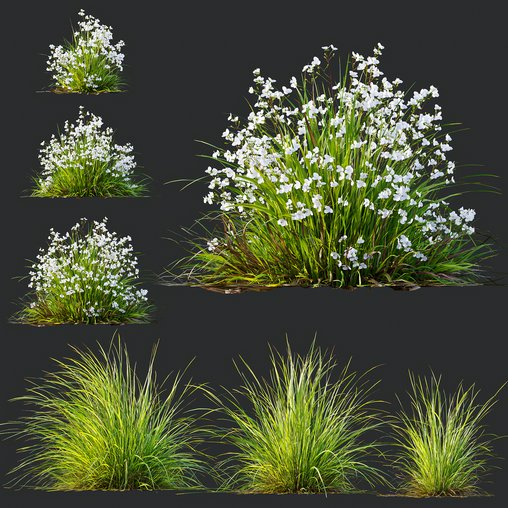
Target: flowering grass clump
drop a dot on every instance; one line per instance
(341, 179)
(300, 431)
(90, 62)
(94, 424)
(89, 275)
(441, 446)
(85, 161)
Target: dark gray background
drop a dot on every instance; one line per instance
(188, 65)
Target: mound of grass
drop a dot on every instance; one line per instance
(300, 430)
(340, 178)
(94, 424)
(85, 161)
(90, 62)
(88, 275)
(442, 446)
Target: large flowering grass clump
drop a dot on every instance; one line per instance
(90, 62)
(95, 424)
(307, 428)
(88, 275)
(442, 448)
(340, 181)
(85, 161)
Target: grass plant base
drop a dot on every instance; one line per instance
(116, 324)
(63, 91)
(303, 493)
(232, 290)
(413, 496)
(237, 289)
(84, 197)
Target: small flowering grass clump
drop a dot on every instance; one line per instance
(95, 424)
(336, 180)
(301, 430)
(89, 275)
(85, 161)
(442, 448)
(90, 62)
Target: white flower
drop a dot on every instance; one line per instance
(316, 201)
(420, 256)
(351, 253)
(467, 215)
(401, 193)
(316, 62)
(212, 244)
(282, 222)
(404, 243)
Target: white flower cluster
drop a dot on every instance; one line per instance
(83, 144)
(92, 40)
(89, 264)
(393, 146)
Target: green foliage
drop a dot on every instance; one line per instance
(95, 424)
(299, 431)
(442, 446)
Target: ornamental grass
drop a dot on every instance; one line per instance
(95, 424)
